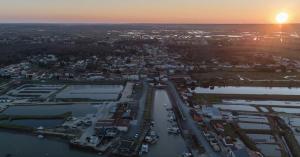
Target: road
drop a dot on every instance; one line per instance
(191, 123)
(127, 92)
(139, 120)
(102, 113)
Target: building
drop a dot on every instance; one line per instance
(212, 112)
(121, 124)
(105, 124)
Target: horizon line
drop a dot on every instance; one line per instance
(144, 23)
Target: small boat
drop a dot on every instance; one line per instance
(40, 136)
(154, 140)
(171, 119)
(173, 130)
(186, 154)
(144, 148)
(100, 154)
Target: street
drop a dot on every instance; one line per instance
(191, 123)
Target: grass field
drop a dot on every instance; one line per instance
(249, 78)
(3, 81)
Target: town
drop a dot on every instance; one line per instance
(149, 90)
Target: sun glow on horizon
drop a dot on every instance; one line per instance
(282, 18)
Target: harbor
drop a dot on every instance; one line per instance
(170, 142)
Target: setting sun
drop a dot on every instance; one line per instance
(282, 17)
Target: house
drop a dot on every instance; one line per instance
(105, 124)
(218, 126)
(111, 132)
(127, 115)
(197, 117)
(122, 125)
(228, 141)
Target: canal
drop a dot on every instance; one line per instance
(168, 145)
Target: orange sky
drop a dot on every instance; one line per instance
(147, 11)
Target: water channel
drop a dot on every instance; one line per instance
(168, 145)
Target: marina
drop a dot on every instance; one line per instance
(168, 144)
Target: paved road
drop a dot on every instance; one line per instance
(139, 120)
(127, 92)
(191, 123)
(102, 113)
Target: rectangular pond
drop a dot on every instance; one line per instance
(249, 90)
(263, 102)
(287, 110)
(35, 90)
(263, 109)
(91, 92)
(236, 107)
(77, 110)
(263, 138)
(295, 122)
(250, 118)
(254, 126)
(270, 150)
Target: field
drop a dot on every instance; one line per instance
(262, 79)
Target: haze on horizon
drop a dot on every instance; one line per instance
(146, 11)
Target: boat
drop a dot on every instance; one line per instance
(185, 154)
(173, 130)
(171, 119)
(154, 140)
(151, 140)
(144, 148)
(40, 136)
(100, 154)
(216, 148)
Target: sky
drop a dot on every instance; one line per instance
(147, 11)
